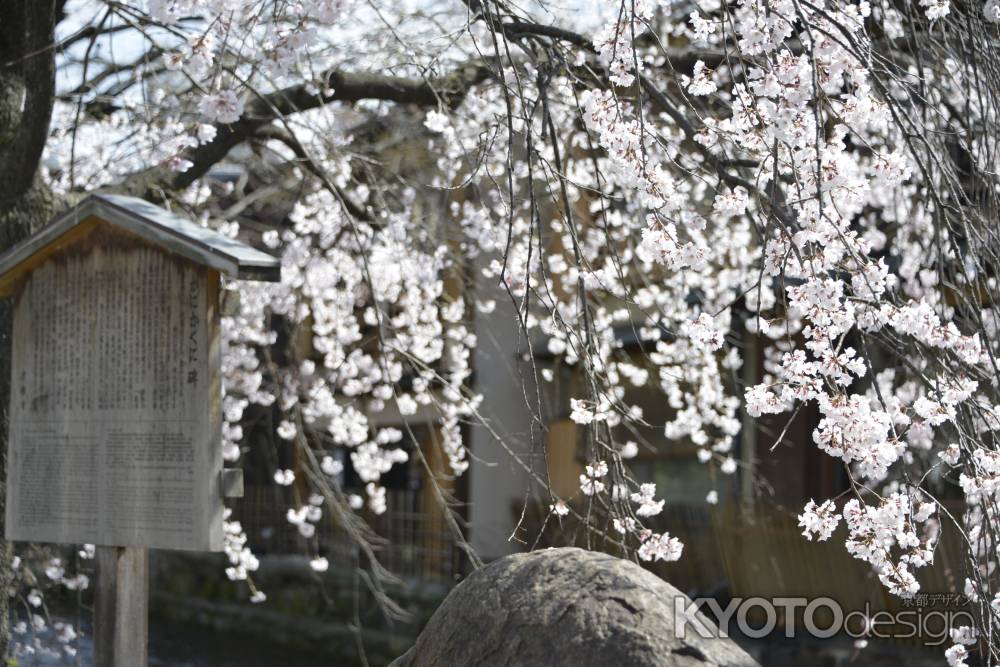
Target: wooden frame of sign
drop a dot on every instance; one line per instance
(115, 418)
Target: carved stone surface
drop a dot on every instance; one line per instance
(564, 607)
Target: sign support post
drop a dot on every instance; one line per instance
(121, 607)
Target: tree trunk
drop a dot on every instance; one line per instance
(27, 88)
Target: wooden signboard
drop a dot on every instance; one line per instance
(114, 414)
(115, 421)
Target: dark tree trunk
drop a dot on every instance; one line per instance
(27, 87)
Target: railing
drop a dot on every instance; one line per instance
(416, 544)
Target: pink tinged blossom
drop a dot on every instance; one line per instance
(406, 404)
(819, 522)
(241, 559)
(586, 412)
(700, 82)
(206, 133)
(991, 11)
(731, 203)
(168, 11)
(663, 547)
(178, 163)
(222, 107)
(951, 454)
(964, 635)
(703, 331)
(624, 526)
(284, 477)
(971, 591)
(319, 564)
(304, 519)
(836, 283)
(760, 400)
(371, 461)
(924, 512)
(899, 580)
(597, 469)
(660, 244)
(331, 466)
(702, 29)
(852, 431)
(936, 9)
(201, 56)
(590, 486)
(174, 61)
(559, 508)
(271, 239)
(645, 498)
(286, 430)
(614, 46)
(934, 412)
(590, 481)
(893, 168)
(957, 656)
(376, 498)
(435, 121)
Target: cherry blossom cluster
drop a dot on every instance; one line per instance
(35, 633)
(709, 177)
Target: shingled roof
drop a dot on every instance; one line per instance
(152, 223)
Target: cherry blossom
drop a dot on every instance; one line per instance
(222, 107)
(768, 186)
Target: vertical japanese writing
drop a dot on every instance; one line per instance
(195, 310)
(110, 432)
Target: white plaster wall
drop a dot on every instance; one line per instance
(497, 484)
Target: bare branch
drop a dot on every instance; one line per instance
(444, 91)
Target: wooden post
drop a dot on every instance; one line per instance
(121, 613)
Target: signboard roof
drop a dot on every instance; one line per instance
(153, 224)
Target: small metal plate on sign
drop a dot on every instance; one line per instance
(232, 483)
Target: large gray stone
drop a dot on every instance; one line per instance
(564, 607)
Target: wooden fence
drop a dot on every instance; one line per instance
(416, 544)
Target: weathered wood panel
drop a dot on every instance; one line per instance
(121, 607)
(114, 433)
